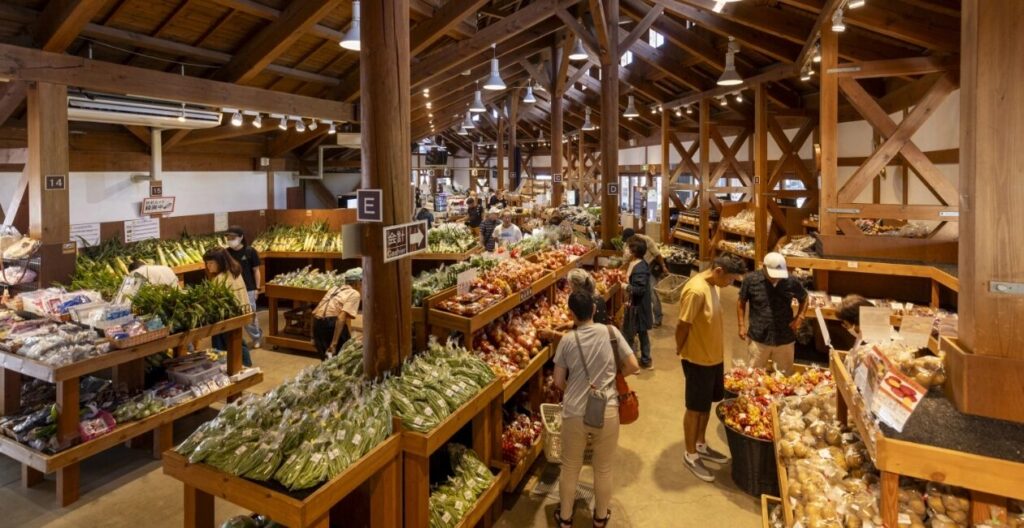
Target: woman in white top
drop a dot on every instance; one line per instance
(588, 349)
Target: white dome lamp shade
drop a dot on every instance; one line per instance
(494, 81)
(477, 106)
(587, 124)
(351, 39)
(529, 97)
(631, 109)
(468, 123)
(578, 53)
(730, 77)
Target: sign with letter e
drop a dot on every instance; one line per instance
(368, 205)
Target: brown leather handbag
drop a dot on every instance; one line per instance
(629, 404)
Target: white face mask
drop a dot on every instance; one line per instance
(235, 243)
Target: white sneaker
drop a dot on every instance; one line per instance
(699, 470)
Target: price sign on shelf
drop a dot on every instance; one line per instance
(525, 293)
(916, 330)
(141, 229)
(465, 281)
(875, 324)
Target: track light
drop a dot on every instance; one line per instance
(739, 97)
(578, 53)
(722, 101)
(283, 123)
(679, 112)
(300, 125)
(854, 4)
(351, 39)
(529, 98)
(730, 77)
(181, 116)
(805, 73)
(817, 52)
(257, 121)
(236, 118)
(312, 124)
(331, 128)
(837, 21)
(689, 110)
(631, 109)
(494, 82)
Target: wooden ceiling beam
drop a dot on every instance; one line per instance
(265, 12)
(273, 40)
(661, 59)
(25, 64)
(600, 22)
(423, 9)
(435, 64)
(677, 34)
(449, 16)
(773, 46)
(581, 99)
(578, 29)
(642, 26)
(228, 131)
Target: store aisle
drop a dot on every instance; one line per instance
(652, 488)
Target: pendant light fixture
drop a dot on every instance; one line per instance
(462, 131)
(631, 109)
(258, 121)
(837, 21)
(817, 52)
(477, 106)
(351, 39)
(236, 118)
(468, 123)
(529, 98)
(730, 77)
(578, 53)
(587, 125)
(689, 110)
(494, 82)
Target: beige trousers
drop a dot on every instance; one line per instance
(574, 441)
(781, 355)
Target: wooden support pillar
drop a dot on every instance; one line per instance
(472, 164)
(987, 365)
(384, 81)
(48, 158)
(557, 148)
(829, 130)
(704, 138)
(501, 152)
(666, 174)
(761, 175)
(513, 139)
(610, 125)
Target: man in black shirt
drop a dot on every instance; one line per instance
(249, 260)
(487, 230)
(475, 212)
(772, 325)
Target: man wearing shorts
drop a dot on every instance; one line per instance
(700, 343)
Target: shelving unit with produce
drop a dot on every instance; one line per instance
(921, 284)
(940, 445)
(127, 365)
(687, 228)
(735, 233)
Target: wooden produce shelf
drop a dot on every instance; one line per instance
(49, 463)
(767, 501)
(469, 325)
(189, 268)
(780, 466)
(486, 500)
(425, 444)
(292, 293)
(448, 257)
(736, 233)
(275, 294)
(679, 234)
(301, 255)
(877, 268)
(988, 478)
(295, 509)
(512, 385)
(54, 374)
(519, 472)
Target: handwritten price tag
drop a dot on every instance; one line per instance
(525, 293)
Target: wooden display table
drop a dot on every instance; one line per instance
(823, 266)
(484, 411)
(380, 469)
(128, 369)
(275, 294)
(469, 325)
(990, 479)
(447, 257)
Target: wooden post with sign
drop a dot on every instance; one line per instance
(557, 177)
(610, 125)
(384, 80)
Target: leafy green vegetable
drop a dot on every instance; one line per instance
(203, 304)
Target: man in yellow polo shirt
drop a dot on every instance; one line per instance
(700, 343)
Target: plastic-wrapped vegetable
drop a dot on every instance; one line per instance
(452, 500)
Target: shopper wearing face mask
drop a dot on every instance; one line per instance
(249, 260)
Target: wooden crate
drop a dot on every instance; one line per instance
(787, 505)
(381, 466)
(767, 501)
(469, 325)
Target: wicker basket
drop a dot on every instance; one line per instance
(140, 339)
(670, 288)
(551, 415)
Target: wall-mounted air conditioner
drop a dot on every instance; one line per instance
(127, 110)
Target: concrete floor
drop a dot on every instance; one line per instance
(124, 487)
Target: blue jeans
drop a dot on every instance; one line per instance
(645, 343)
(253, 328)
(220, 342)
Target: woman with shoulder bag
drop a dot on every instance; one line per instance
(639, 315)
(585, 368)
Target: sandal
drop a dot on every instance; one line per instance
(601, 523)
(564, 523)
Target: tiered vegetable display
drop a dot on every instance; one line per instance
(302, 433)
(450, 238)
(102, 267)
(553, 259)
(310, 238)
(311, 278)
(520, 434)
(203, 304)
(456, 497)
(490, 287)
(508, 344)
(526, 247)
(431, 282)
(605, 278)
(436, 383)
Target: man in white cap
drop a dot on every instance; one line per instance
(772, 325)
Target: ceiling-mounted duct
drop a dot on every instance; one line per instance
(127, 110)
